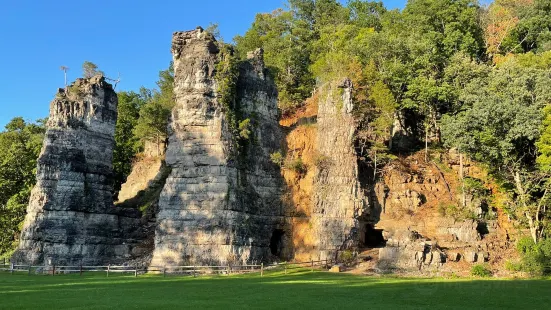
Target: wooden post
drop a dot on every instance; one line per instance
(53, 270)
(108, 269)
(11, 268)
(164, 271)
(262, 269)
(135, 271)
(312, 265)
(81, 270)
(193, 271)
(285, 268)
(30, 270)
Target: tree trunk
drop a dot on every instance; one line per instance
(375, 168)
(462, 177)
(533, 225)
(426, 142)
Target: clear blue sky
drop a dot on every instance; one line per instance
(130, 37)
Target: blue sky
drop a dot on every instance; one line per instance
(130, 37)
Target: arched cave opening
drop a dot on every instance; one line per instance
(276, 242)
(373, 238)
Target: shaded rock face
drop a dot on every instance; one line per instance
(70, 218)
(339, 202)
(217, 207)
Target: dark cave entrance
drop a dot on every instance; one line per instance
(276, 242)
(372, 237)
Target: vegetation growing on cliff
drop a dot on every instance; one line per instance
(450, 73)
(227, 74)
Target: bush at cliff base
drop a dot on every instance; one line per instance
(536, 257)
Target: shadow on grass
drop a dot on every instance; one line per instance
(275, 290)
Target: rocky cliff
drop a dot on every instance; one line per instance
(70, 218)
(339, 203)
(221, 203)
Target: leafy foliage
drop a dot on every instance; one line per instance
(20, 145)
(536, 257)
(481, 271)
(90, 69)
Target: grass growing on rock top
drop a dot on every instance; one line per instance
(296, 290)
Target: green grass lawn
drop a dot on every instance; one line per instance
(298, 290)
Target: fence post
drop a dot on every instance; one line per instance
(285, 265)
(262, 269)
(193, 271)
(53, 270)
(11, 268)
(81, 269)
(135, 271)
(30, 270)
(108, 269)
(164, 271)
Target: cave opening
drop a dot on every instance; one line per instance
(373, 238)
(276, 242)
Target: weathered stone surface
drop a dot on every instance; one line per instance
(336, 268)
(70, 218)
(145, 173)
(216, 207)
(470, 256)
(339, 201)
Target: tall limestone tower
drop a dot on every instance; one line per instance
(71, 218)
(221, 203)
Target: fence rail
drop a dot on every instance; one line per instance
(164, 270)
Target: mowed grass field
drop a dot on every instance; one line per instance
(297, 290)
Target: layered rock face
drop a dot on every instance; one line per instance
(70, 218)
(339, 203)
(420, 229)
(218, 205)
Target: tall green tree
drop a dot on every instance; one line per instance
(152, 124)
(20, 145)
(127, 145)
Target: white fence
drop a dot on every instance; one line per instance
(164, 270)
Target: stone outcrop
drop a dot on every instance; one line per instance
(70, 218)
(221, 201)
(339, 202)
(423, 222)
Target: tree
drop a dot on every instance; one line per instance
(499, 126)
(152, 124)
(127, 145)
(20, 145)
(286, 42)
(502, 17)
(214, 29)
(90, 69)
(533, 30)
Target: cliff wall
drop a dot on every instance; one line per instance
(221, 203)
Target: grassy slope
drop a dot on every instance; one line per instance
(299, 290)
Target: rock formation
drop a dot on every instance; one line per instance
(70, 218)
(339, 203)
(217, 197)
(221, 203)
